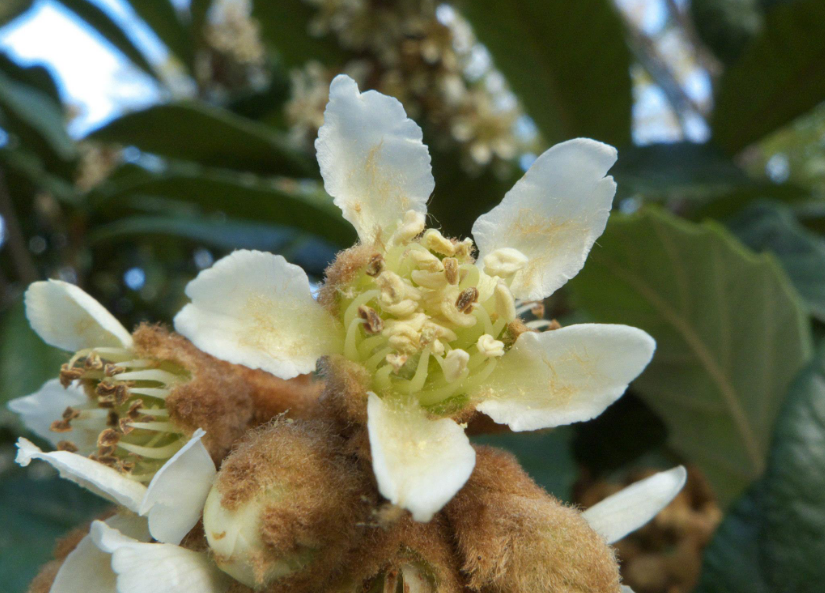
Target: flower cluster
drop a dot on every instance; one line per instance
(427, 57)
(233, 473)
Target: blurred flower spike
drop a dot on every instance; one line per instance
(429, 332)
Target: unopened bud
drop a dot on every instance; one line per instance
(504, 262)
(285, 503)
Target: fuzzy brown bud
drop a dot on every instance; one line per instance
(285, 507)
(515, 538)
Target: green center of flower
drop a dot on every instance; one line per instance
(424, 319)
(126, 407)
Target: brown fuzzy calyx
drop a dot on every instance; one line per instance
(343, 269)
(217, 398)
(272, 397)
(403, 551)
(298, 502)
(515, 538)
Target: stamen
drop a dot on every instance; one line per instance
(376, 265)
(152, 375)
(490, 347)
(153, 452)
(151, 392)
(417, 382)
(504, 262)
(466, 299)
(547, 324)
(374, 360)
(350, 347)
(67, 446)
(362, 299)
(451, 270)
(455, 363)
(373, 324)
(157, 426)
(435, 241)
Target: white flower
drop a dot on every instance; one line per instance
(107, 416)
(172, 501)
(416, 315)
(116, 557)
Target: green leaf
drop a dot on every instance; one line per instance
(730, 330)
(19, 161)
(196, 132)
(772, 227)
(164, 21)
(285, 26)
(34, 513)
(11, 9)
(36, 119)
(240, 197)
(545, 455)
(793, 533)
(777, 78)
(101, 22)
(731, 560)
(36, 76)
(223, 234)
(566, 61)
(26, 362)
(726, 26)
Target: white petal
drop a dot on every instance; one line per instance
(40, 409)
(565, 375)
(88, 568)
(157, 568)
(553, 215)
(177, 492)
(419, 463)
(372, 159)
(100, 479)
(255, 309)
(629, 509)
(66, 317)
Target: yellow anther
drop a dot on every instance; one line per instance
(411, 227)
(432, 280)
(464, 250)
(489, 346)
(426, 261)
(451, 271)
(504, 262)
(435, 241)
(396, 361)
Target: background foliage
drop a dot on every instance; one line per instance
(718, 248)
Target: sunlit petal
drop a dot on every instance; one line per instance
(552, 216)
(565, 375)
(66, 317)
(419, 463)
(372, 158)
(255, 309)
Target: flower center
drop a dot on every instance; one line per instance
(424, 319)
(126, 408)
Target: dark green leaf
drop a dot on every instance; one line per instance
(36, 119)
(777, 78)
(101, 22)
(11, 9)
(545, 455)
(26, 362)
(731, 561)
(730, 330)
(36, 76)
(19, 161)
(197, 132)
(793, 532)
(164, 21)
(772, 227)
(726, 26)
(241, 197)
(566, 61)
(34, 513)
(222, 234)
(285, 27)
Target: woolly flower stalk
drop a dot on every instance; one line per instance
(432, 327)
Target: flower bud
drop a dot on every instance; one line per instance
(285, 507)
(512, 536)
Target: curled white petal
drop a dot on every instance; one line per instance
(255, 309)
(372, 159)
(177, 492)
(88, 568)
(157, 568)
(419, 463)
(100, 479)
(43, 407)
(565, 375)
(552, 216)
(64, 316)
(629, 509)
